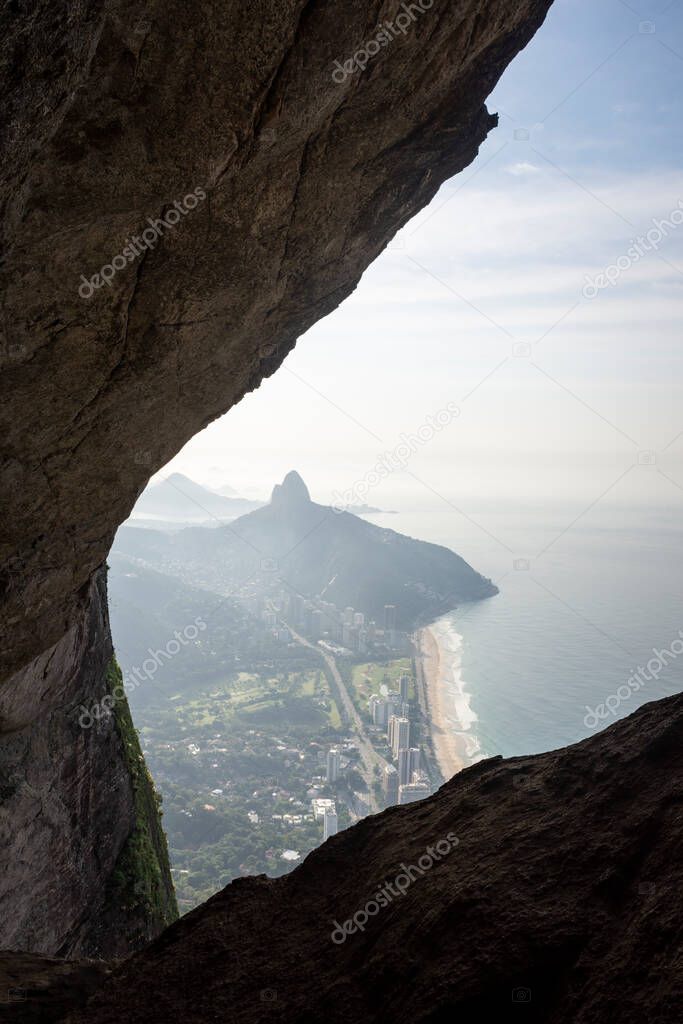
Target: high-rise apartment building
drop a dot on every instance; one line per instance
(333, 765)
(329, 824)
(399, 734)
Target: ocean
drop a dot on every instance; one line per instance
(526, 671)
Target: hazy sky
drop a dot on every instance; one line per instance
(481, 301)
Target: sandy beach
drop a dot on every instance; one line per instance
(449, 748)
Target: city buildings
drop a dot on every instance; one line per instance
(399, 734)
(408, 765)
(404, 766)
(403, 781)
(329, 823)
(333, 765)
(412, 791)
(354, 638)
(390, 785)
(379, 711)
(345, 631)
(382, 708)
(320, 805)
(323, 620)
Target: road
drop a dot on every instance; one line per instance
(368, 754)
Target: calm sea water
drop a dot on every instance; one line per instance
(569, 627)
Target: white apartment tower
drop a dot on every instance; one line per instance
(399, 734)
(333, 765)
(329, 823)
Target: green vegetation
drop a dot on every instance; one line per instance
(367, 677)
(236, 762)
(142, 875)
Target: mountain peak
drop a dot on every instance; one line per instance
(291, 491)
(177, 478)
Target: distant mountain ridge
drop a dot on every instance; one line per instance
(316, 550)
(177, 498)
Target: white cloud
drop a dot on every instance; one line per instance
(521, 168)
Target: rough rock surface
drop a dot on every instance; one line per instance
(560, 903)
(116, 109)
(112, 112)
(40, 990)
(84, 861)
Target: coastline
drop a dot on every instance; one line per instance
(450, 748)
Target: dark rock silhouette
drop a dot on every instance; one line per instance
(84, 864)
(200, 163)
(563, 891)
(562, 894)
(36, 989)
